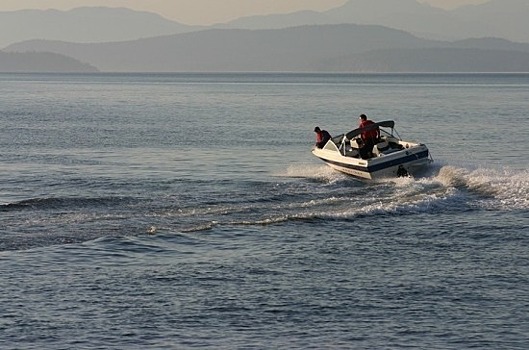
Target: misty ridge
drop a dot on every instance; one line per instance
(360, 36)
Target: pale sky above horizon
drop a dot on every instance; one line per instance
(206, 12)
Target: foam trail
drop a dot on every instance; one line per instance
(510, 188)
(499, 188)
(451, 188)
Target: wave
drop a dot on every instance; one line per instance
(346, 207)
(45, 203)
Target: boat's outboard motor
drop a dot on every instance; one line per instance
(402, 172)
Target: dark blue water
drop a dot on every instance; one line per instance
(186, 211)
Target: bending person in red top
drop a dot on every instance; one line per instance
(322, 136)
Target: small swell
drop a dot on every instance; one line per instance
(202, 227)
(45, 203)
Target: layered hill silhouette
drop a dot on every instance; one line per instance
(321, 48)
(41, 62)
(505, 19)
(85, 24)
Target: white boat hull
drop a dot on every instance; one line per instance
(403, 162)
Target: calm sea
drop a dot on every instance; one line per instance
(186, 211)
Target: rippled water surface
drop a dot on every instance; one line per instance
(186, 211)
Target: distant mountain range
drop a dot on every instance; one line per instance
(505, 19)
(361, 35)
(324, 48)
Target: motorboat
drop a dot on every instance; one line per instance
(390, 156)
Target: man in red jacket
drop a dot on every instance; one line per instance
(369, 137)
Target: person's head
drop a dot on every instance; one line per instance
(363, 117)
(317, 129)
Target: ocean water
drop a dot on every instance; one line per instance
(181, 211)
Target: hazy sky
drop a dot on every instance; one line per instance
(206, 11)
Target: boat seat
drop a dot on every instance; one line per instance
(354, 144)
(380, 147)
(391, 139)
(352, 153)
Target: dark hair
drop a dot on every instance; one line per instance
(363, 116)
(316, 129)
